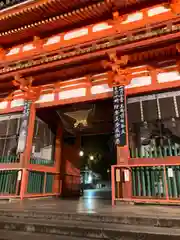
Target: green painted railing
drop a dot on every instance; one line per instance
(148, 182)
(173, 181)
(151, 182)
(35, 182)
(41, 161)
(8, 182)
(9, 159)
(49, 183)
(40, 182)
(155, 152)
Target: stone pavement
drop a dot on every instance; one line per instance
(87, 218)
(92, 206)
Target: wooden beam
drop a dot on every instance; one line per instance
(116, 26)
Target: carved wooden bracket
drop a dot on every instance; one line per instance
(119, 76)
(2, 53)
(116, 16)
(178, 65)
(178, 61)
(89, 80)
(175, 6)
(25, 85)
(178, 47)
(38, 42)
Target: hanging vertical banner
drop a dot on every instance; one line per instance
(24, 127)
(119, 116)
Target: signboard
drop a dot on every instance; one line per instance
(118, 175)
(19, 176)
(119, 116)
(126, 175)
(170, 173)
(24, 127)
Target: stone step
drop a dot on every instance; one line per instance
(170, 222)
(88, 230)
(13, 235)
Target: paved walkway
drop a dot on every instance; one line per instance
(93, 206)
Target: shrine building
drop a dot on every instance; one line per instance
(76, 67)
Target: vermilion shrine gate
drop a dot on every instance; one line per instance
(58, 52)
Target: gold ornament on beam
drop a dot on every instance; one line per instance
(80, 117)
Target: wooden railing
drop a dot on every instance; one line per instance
(9, 183)
(146, 183)
(151, 182)
(39, 184)
(156, 151)
(41, 161)
(9, 159)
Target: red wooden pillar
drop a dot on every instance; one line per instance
(57, 188)
(26, 154)
(24, 182)
(77, 164)
(70, 168)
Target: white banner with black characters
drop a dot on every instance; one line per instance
(24, 127)
(119, 116)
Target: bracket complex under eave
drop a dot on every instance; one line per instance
(119, 74)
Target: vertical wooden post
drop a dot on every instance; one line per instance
(58, 160)
(78, 146)
(119, 78)
(18, 182)
(45, 181)
(29, 139)
(24, 182)
(113, 185)
(31, 125)
(25, 156)
(166, 183)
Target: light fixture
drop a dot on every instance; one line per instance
(90, 178)
(91, 158)
(81, 153)
(173, 122)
